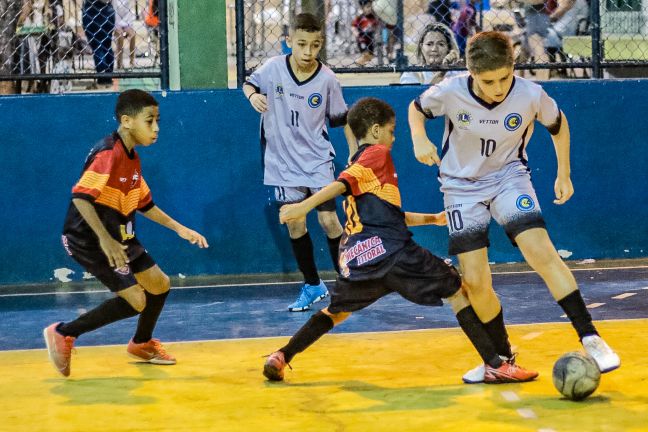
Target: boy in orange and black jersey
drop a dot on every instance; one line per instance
(99, 233)
(377, 253)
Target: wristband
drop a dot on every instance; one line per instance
(251, 94)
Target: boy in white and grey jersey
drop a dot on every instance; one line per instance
(490, 117)
(295, 95)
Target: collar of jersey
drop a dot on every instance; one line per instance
(481, 101)
(306, 81)
(129, 153)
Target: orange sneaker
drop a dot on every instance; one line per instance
(273, 369)
(59, 349)
(508, 372)
(151, 351)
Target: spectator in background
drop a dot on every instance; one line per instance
(466, 24)
(565, 19)
(125, 17)
(440, 10)
(536, 14)
(436, 46)
(98, 17)
(365, 28)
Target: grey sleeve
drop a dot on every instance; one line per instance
(336, 107)
(259, 78)
(431, 103)
(548, 112)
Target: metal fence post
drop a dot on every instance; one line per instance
(240, 43)
(401, 59)
(164, 46)
(597, 43)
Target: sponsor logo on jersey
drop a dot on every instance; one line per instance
(279, 92)
(314, 100)
(525, 203)
(134, 179)
(493, 122)
(512, 121)
(463, 119)
(125, 270)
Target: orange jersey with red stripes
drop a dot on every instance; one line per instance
(375, 228)
(112, 180)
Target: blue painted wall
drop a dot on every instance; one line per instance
(205, 171)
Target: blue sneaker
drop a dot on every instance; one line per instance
(309, 294)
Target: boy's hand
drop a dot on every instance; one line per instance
(290, 212)
(259, 102)
(563, 189)
(114, 251)
(192, 237)
(424, 151)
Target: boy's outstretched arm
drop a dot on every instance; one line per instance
(563, 187)
(290, 212)
(424, 151)
(157, 215)
(114, 250)
(258, 101)
(416, 219)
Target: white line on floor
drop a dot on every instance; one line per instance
(594, 305)
(527, 413)
(510, 396)
(531, 335)
(623, 296)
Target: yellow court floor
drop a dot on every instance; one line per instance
(400, 381)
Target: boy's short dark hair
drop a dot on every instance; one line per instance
(488, 51)
(132, 102)
(307, 22)
(367, 112)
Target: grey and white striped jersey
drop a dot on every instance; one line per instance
(294, 138)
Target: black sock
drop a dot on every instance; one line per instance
(149, 316)
(577, 312)
(476, 332)
(303, 251)
(318, 325)
(498, 335)
(334, 249)
(107, 312)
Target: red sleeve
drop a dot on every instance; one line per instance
(94, 177)
(146, 200)
(368, 172)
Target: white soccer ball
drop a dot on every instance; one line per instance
(386, 11)
(576, 375)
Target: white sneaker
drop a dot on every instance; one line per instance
(606, 359)
(476, 375)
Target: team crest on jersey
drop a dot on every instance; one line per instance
(512, 121)
(463, 119)
(279, 92)
(314, 100)
(525, 203)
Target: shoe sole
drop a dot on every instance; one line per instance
(152, 361)
(509, 381)
(471, 382)
(610, 369)
(49, 353)
(305, 308)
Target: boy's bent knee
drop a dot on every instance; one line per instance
(336, 317)
(135, 297)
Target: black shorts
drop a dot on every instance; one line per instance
(417, 275)
(96, 263)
